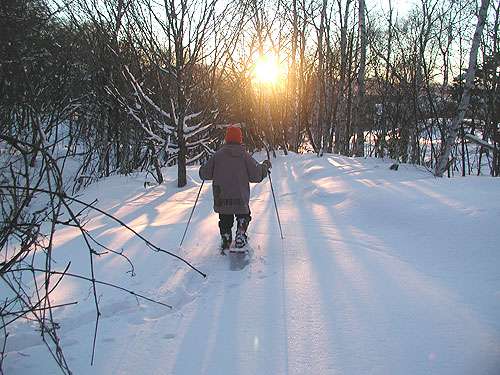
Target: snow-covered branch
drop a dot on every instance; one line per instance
(188, 118)
(200, 129)
(480, 142)
(138, 89)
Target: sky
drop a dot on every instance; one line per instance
(400, 6)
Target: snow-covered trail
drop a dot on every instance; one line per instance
(364, 293)
(380, 272)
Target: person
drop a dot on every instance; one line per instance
(232, 168)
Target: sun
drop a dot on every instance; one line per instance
(267, 70)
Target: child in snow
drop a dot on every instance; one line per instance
(232, 169)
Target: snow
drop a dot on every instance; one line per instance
(380, 272)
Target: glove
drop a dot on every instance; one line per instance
(267, 165)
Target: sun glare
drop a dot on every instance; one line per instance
(267, 70)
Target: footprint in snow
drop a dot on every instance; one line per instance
(69, 342)
(322, 196)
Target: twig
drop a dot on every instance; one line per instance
(2, 353)
(58, 356)
(149, 243)
(119, 253)
(24, 312)
(97, 282)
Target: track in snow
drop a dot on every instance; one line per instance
(380, 272)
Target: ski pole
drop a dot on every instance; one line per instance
(275, 205)
(272, 191)
(192, 211)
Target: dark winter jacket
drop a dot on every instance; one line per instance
(231, 169)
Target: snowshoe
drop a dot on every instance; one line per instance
(239, 257)
(241, 240)
(241, 233)
(226, 241)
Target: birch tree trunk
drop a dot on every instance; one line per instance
(341, 137)
(385, 102)
(293, 80)
(360, 143)
(321, 82)
(442, 163)
(495, 112)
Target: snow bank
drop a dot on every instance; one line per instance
(380, 272)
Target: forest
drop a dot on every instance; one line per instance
(128, 85)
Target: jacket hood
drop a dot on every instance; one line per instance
(233, 149)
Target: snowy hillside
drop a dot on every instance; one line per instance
(381, 272)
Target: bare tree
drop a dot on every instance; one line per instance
(341, 125)
(442, 164)
(360, 107)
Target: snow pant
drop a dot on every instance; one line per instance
(226, 223)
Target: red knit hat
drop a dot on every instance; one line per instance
(233, 135)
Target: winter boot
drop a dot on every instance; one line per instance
(241, 232)
(226, 241)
